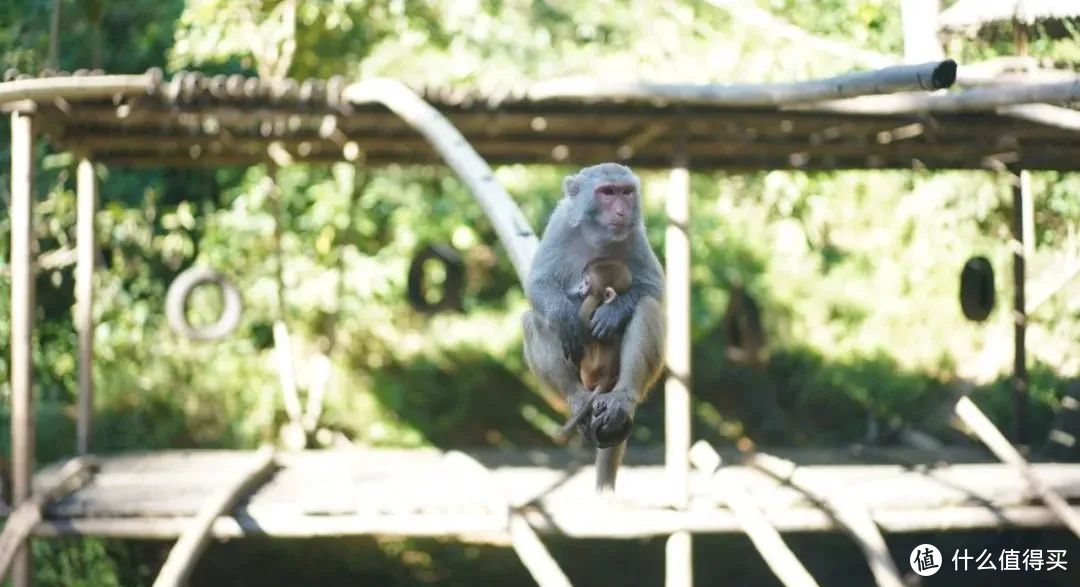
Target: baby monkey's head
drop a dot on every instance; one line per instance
(603, 281)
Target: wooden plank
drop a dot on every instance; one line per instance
(577, 522)
(22, 324)
(1000, 446)
(86, 244)
(342, 482)
(22, 522)
(850, 514)
(194, 540)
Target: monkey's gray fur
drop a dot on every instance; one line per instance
(580, 230)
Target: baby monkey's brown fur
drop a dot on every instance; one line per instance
(605, 279)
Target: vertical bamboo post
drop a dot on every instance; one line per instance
(22, 313)
(86, 241)
(679, 555)
(919, 22)
(1022, 226)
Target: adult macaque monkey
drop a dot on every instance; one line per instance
(600, 216)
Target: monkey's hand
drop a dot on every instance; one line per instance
(610, 318)
(612, 418)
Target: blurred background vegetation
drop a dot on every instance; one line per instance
(855, 273)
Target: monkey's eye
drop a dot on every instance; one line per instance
(606, 190)
(628, 191)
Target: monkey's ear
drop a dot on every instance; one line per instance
(571, 186)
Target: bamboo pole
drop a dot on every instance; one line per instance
(919, 22)
(81, 87)
(1023, 239)
(935, 75)
(848, 512)
(1065, 118)
(677, 434)
(510, 224)
(22, 324)
(780, 559)
(527, 544)
(22, 522)
(677, 299)
(975, 99)
(185, 553)
(973, 417)
(86, 245)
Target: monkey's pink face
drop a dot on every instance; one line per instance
(618, 206)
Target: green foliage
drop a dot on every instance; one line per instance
(75, 563)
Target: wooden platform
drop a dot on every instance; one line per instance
(429, 493)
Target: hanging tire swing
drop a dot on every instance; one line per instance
(452, 288)
(977, 295)
(176, 302)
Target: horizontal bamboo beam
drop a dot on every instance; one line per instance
(898, 78)
(74, 88)
(973, 100)
(523, 145)
(1062, 160)
(1045, 114)
(576, 522)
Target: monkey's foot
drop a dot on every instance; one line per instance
(612, 418)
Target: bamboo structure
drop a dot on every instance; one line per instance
(195, 120)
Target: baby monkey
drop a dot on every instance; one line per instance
(604, 280)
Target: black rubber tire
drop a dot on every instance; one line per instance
(977, 296)
(177, 298)
(453, 288)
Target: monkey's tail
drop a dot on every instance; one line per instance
(608, 461)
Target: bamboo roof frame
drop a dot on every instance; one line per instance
(897, 117)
